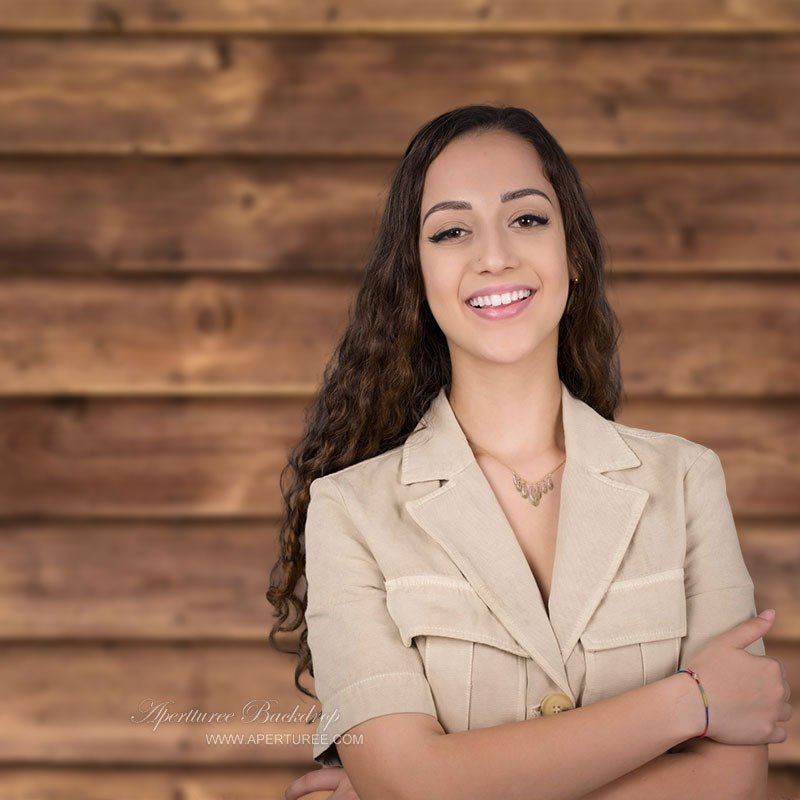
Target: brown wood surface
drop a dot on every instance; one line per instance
(94, 703)
(683, 338)
(445, 16)
(305, 216)
(220, 782)
(310, 95)
(164, 581)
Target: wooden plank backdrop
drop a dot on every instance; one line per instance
(188, 192)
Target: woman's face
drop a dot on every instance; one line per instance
(493, 246)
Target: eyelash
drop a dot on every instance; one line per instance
(541, 218)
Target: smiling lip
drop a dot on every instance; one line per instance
(499, 289)
(503, 312)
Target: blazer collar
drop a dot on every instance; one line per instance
(597, 518)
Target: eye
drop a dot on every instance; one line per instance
(444, 235)
(540, 219)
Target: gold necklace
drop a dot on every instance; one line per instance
(530, 491)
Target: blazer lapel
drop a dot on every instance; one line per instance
(597, 518)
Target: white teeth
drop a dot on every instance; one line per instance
(499, 299)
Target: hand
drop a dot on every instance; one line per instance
(747, 695)
(322, 780)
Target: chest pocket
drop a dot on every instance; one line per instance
(475, 668)
(634, 636)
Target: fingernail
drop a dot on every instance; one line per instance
(768, 614)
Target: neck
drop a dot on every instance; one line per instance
(518, 423)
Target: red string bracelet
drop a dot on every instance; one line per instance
(692, 674)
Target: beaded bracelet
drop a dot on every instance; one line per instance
(694, 675)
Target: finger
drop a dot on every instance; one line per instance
(787, 713)
(747, 632)
(778, 662)
(318, 780)
(778, 735)
(781, 664)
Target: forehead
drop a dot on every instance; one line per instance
(489, 163)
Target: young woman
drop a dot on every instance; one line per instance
(484, 547)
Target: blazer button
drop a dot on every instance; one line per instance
(556, 703)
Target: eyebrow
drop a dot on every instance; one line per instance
(460, 205)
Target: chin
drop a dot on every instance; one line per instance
(505, 355)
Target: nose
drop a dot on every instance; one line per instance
(494, 251)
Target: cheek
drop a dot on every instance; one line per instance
(441, 289)
(445, 313)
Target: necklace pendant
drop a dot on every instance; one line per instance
(533, 492)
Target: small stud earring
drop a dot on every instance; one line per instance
(573, 281)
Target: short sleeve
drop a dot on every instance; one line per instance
(719, 589)
(362, 669)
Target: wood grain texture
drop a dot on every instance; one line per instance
(176, 335)
(303, 216)
(683, 337)
(220, 782)
(310, 95)
(170, 581)
(101, 703)
(446, 16)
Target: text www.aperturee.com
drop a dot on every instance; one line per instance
(281, 738)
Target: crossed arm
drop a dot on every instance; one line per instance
(572, 756)
(698, 768)
(693, 769)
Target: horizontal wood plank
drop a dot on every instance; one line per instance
(117, 580)
(311, 95)
(189, 581)
(702, 338)
(68, 704)
(771, 553)
(683, 337)
(176, 335)
(221, 782)
(318, 215)
(208, 457)
(511, 16)
(108, 703)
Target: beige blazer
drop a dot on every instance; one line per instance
(420, 597)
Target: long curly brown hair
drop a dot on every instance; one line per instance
(393, 358)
